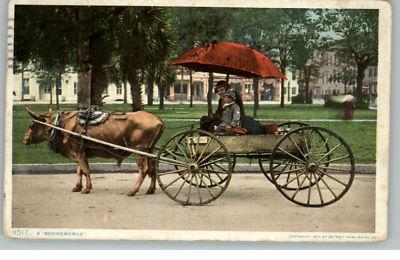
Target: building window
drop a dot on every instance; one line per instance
(119, 89)
(294, 76)
(293, 91)
(247, 88)
(105, 91)
(375, 72)
(75, 88)
(47, 89)
(285, 90)
(25, 87)
(370, 72)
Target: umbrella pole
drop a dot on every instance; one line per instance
(255, 96)
(181, 94)
(227, 78)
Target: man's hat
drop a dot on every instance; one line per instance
(221, 84)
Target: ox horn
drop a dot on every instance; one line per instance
(31, 113)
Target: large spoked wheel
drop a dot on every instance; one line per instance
(312, 166)
(264, 162)
(200, 167)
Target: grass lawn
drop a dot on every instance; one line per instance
(361, 136)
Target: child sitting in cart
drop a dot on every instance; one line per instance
(231, 113)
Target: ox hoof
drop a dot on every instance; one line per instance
(77, 188)
(85, 191)
(152, 191)
(131, 193)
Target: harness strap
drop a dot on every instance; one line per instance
(53, 134)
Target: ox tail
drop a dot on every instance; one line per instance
(152, 161)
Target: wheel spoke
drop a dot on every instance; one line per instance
(173, 154)
(190, 189)
(172, 163)
(180, 148)
(183, 183)
(331, 151)
(288, 176)
(209, 155)
(301, 152)
(211, 180)
(325, 143)
(335, 169)
(336, 159)
(215, 173)
(293, 170)
(189, 148)
(298, 188)
(207, 188)
(328, 175)
(291, 155)
(218, 166)
(319, 190)
(204, 149)
(306, 145)
(212, 162)
(208, 175)
(175, 180)
(327, 186)
(172, 172)
(309, 188)
(198, 189)
(297, 177)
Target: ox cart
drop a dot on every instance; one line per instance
(311, 166)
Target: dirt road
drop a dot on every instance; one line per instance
(250, 203)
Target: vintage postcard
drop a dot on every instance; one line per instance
(198, 120)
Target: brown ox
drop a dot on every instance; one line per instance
(137, 130)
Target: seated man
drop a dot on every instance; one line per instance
(208, 123)
(231, 113)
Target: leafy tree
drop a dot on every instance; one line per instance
(355, 38)
(347, 76)
(198, 26)
(274, 32)
(92, 40)
(306, 48)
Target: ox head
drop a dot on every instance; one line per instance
(36, 132)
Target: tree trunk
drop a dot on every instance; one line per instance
(181, 92)
(255, 91)
(161, 93)
(307, 85)
(209, 93)
(283, 88)
(97, 85)
(22, 85)
(50, 82)
(191, 88)
(360, 77)
(83, 60)
(136, 91)
(150, 90)
(125, 92)
(58, 86)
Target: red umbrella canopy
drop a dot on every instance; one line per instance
(229, 58)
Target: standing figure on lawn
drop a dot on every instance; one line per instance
(208, 123)
(231, 113)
